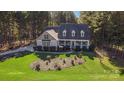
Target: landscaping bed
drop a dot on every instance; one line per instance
(56, 63)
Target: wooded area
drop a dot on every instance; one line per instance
(108, 31)
(107, 27)
(21, 28)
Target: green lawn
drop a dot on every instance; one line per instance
(92, 69)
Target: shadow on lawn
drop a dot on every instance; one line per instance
(117, 62)
(104, 66)
(16, 55)
(44, 56)
(91, 55)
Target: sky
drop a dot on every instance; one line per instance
(77, 13)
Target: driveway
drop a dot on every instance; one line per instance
(26, 48)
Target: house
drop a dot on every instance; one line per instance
(67, 35)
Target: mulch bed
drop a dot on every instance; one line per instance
(56, 63)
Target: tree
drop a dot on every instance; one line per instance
(21, 26)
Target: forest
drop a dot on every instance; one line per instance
(20, 28)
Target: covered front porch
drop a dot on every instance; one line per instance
(63, 45)
(74, 44)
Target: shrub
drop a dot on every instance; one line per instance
(77, 48)
(85, 48)
(59, 68)
(121, 71)
(75, 57)
(80, 55)
(48, 57)
(72, 62)
(55, 66)
(52, 48)
(46, 63)
(37, 67)
(64, 61)
(91, 47)
(37, 48)
(46, 48)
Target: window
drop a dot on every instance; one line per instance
(84, 42)
(64, 33)
(46, 37)
(82, 33)
(46, 43)
(73, 33)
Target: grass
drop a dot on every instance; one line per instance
(92, 69)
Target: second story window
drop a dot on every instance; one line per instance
(45, 37)
(73, 33)
(64, 33)
(82, 33)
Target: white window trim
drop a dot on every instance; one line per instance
(64, 33)
(82, 33)
(73, 33)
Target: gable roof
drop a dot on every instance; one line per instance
(53, 33)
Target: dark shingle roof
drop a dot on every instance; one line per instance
(77, 28)
(69, 27)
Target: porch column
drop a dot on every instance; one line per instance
(74, 44)
(64, 43)
(56, 48)
(58, 43)
(81, 45)
(87, 44)
(42, 46)
(71, 45)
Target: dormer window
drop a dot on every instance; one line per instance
(82, 33)
(64, 33)
(73, 33)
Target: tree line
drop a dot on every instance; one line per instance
(107, 31)
(19, 28)
(107, 27)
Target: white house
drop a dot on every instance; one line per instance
(66, 35)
